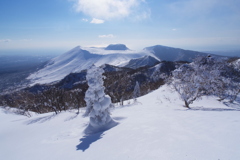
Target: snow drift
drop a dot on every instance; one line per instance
(156, 128)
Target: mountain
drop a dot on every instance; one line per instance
(142, 62)
(164, 53)
(78, 59)
(116, 47)
(118, 80)
(230, 53)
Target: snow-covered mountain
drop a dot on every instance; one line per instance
(142, 62)
(80, 58)
(173, 54)
(117, 47)
(77, 59)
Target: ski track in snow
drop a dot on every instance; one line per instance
(157, 127)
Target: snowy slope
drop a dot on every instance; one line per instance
(142, 62)
(79, 59)
(156, 128)
(236, 64)
(165, 53)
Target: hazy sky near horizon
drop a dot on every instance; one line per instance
(63, 24)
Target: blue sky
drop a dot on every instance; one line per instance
(63, 24)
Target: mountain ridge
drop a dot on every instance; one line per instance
(80, 58)
(142, 62)
(166, 53)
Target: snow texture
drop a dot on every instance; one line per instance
(158, 128)
(98, 104)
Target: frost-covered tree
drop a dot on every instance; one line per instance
(98, 104)
(206, 76)
(232, 82)
(136, 91)
(75, 99)
(202, 77)
(184, 84)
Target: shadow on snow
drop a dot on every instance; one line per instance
(88, 139)
(94, 134)
(41, 119)
(213, 109)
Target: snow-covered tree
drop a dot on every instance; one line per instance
(232, 82)
(206, 76)
(136, 92)
(202, 77)
(98, 104)
(184, 84)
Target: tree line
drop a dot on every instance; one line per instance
(119, 85)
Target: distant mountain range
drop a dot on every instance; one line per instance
(164, 53)
(235, 53)
(80, 58)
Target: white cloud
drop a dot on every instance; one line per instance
(5, 40)
(106, 36)
(97, 21)
(110, 9)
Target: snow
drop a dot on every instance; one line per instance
(116, 47)
(237, 64)
(165, 53)
(98, 104)
(142, 62)
(80, 58)
(157, 127)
